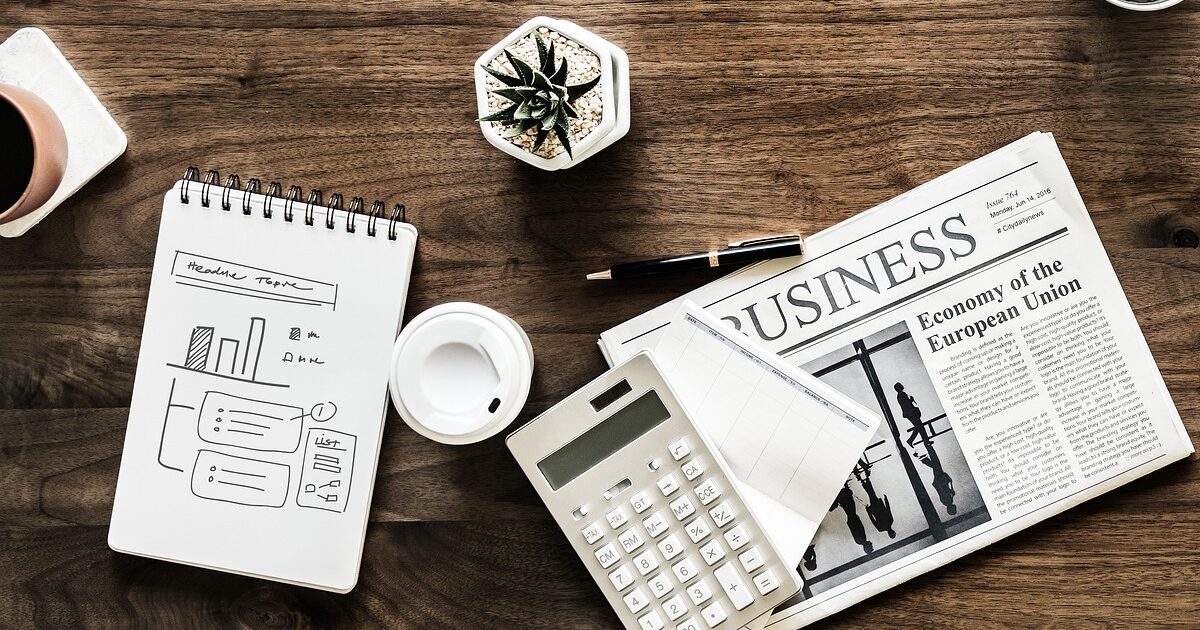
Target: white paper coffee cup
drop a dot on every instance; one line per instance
(460, 372)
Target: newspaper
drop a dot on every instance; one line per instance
(980, 316)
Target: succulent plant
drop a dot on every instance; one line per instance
(540, 97)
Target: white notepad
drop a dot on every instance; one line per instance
(790, 439)
(261, 385)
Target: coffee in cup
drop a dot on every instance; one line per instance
(35, 158)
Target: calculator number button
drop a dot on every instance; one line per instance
(675, 607)
(651, 621)
(592, 533)
(737, 537)
(700, 592)
(668, 484)
(607, 555)
(682, 507)
(751, 559)
(645, 562)
(670, 546)
(640, 502)
(731, 582)
(617, 517)
(692, 469)
(684, 570)
(655, 524)
(679, 449)
(661, 584)
(714, 614)
(723, 514)
(622, 578)
(698, 530)
(766, 582)
(630, 540)
(708, 492)
(688, 624)
(636, 600)
(712, 553)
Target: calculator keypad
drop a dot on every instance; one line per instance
(640, 502)
(617, 517)
(668, 484)
(683, 507)
(655, 524)
(714, 574)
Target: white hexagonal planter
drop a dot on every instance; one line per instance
(613, 90)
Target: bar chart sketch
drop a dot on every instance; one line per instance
(226, 357)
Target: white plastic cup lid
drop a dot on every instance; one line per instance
(460, 372)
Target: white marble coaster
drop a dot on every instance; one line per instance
(30, 60)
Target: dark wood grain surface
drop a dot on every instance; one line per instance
(748, 117)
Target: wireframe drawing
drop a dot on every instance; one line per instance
(327, 470)
(234, 278)
(233, 359)
(241, 480)
(260, 447)
(257, 425)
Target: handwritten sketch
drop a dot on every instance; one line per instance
(257, 425)
(224, 276)
(328, 468)
(241, 480)
(234, 359)
(260, 447)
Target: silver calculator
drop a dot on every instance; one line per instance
(649, 505)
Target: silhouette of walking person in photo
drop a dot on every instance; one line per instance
(912, 413)
(943, 483)
(879, 509)
(845, 500)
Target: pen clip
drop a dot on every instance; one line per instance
(759, 240)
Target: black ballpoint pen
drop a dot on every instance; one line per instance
(738, 254)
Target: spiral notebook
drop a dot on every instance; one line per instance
(261, 387)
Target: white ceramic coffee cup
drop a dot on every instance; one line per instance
(460, 373)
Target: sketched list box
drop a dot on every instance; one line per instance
(240, 480)
(257, 425)
(224, 276)
(327, 470)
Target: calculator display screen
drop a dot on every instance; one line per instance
(604, 439)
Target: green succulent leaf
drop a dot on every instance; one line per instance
(517, 94)
(564, 136)
(502, 116)
(548, 64)
(541, 48)
(542, 134)
(548, 118)
(524, 110)
(541, 82)
(522, 127)
(575, 91)
(570, 110)
(559, 77)
(522, 68)
(504, 78)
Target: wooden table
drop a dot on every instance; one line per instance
(747, 118)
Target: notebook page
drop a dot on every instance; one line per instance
(787, 437)
(260, 391)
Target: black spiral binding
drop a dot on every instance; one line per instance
(274, 195)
